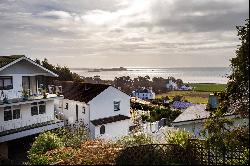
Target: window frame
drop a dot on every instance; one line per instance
(14, 112)
(102, 129)
(117, 104)
(9, 111)
(38, 105)
(83, 110)
(42, 103)
(2, 78)
(66, 106)
(34, 105)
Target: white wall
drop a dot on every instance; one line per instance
(24, 67)
(196, 127)
(70, 113)
(145, 95)
(17, 70)
(30, 132)
(103, 105)
(16, 92)
(113, 130)
(26, 118)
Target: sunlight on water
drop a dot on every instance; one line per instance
(192, 75)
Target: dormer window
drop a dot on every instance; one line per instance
(6, 83)
(117, 105)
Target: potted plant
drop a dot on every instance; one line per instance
(44, 93)
(25, 94)
(5, 100)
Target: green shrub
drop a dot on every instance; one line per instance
(72, 136)
(177, 136)
(45, 142)
(135, 139)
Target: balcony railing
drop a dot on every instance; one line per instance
(28, 127)
(13, 96)
(30, 98)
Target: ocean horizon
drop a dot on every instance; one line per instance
(187, 74)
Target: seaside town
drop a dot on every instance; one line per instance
(51, 115)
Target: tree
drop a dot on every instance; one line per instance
(235, 99)
(238, 86)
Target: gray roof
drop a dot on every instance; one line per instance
(194, 112)
(5, 60)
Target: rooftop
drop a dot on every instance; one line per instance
(194, 112)
(110, 119)
(83, 92)
(5, 60)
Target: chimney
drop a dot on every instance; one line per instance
(213, 100)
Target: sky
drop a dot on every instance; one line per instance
(128, 33)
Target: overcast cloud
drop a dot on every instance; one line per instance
(113, 33)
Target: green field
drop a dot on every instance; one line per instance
(208, 87)
(199, 95)
(191, 96)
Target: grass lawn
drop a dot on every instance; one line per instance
(200, 93)
(191, 96)
(208, 87)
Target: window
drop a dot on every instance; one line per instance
(67, 106)
(76, 112)
(83, 110)
(6, 83)
(42, 107)
(16, 114)
(11, 113)
(7, 113)
(102, 129)
(117, 105)
(38, 108)
(60, 104)
(34, 109)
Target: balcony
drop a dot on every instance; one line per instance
(27, 97)
(22, 129)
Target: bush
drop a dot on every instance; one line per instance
(43, 143)
(72, 136)
(135, 139)
(177, 136)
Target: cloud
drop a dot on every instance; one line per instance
(94, 30)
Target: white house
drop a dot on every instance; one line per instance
(194, 117)
(144, 93)
(23, 116)
(171, 85)
(104, 109)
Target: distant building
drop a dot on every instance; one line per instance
(185, 87)
(144, 93)
(171, 85)
(104, 109)
(181, 105)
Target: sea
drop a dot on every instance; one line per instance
(187, 74)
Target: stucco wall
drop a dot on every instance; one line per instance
(196, 127)
(103, 104)
(26, 118)
(70, 113)
(113, 130)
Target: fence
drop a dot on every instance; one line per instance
(172, 154)
(207, 154)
